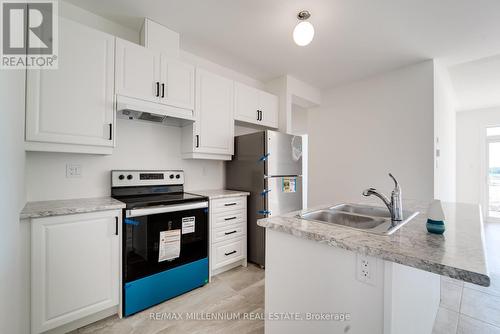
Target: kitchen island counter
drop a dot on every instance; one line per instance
(459, 253)
(383, 283)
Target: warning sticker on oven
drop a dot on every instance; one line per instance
(289, 185)
(188, 224)
(170, 245)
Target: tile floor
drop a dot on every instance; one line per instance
(465, 308)
(471, 309)
(240, 290)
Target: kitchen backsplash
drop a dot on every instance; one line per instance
(140, 145)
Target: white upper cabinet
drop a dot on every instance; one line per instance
(246, 101)
(137, 71)
(154, 36)
(269, 109)
(70, 109)
(214, 112)
(255, 106)
(177, 86)
(212, 135)
(147, 75)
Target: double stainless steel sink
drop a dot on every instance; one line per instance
(366, 218)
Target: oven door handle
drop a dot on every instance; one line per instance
(164, 209)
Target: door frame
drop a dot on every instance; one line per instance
(484, 165)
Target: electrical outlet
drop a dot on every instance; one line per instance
(366, 269)
(73, 171)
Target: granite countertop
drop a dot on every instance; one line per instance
(459, 253)
(69, 206)
(220, 193)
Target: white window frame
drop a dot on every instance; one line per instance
(484, 182)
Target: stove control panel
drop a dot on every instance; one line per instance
(133, 178)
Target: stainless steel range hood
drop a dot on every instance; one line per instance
(139, 110)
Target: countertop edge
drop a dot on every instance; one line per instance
(430, 266)
(220, 193)
(54, 208)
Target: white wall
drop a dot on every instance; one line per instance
(444, 135)
(82, 16)
(299, 120)
(366, 129)
(477, 83)
(139, 145)
(219, 69)
(471, 128)
(14, 251)
(292, 92)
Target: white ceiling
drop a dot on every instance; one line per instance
(354, 38)
(477, 83)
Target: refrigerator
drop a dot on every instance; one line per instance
(268, 164)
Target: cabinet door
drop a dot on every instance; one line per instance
(74, 104)
(246, 103)
(137, 71)
(74, 267)
(214, 112)
(177, 83)
(269, 107)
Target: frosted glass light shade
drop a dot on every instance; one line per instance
(303, 33)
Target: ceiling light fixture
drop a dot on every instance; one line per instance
(304, 31)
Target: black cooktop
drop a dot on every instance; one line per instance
(140, 201)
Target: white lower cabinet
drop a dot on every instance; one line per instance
(75, 267)
(228, 233)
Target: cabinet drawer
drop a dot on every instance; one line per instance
(229, 218)
(228, 252)
(229, 204)
(228, 233)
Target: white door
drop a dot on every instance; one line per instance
(74, 267)
(137, 71)
(492, 196)
(74, 104)
(269, 107)
(246, 103)
(177, 83)
(214, 128)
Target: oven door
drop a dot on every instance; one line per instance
(157, 239)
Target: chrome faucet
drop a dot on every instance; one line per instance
(395, 205)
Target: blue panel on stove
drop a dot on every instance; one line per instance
(148, 291)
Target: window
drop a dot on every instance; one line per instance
(493, 173)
